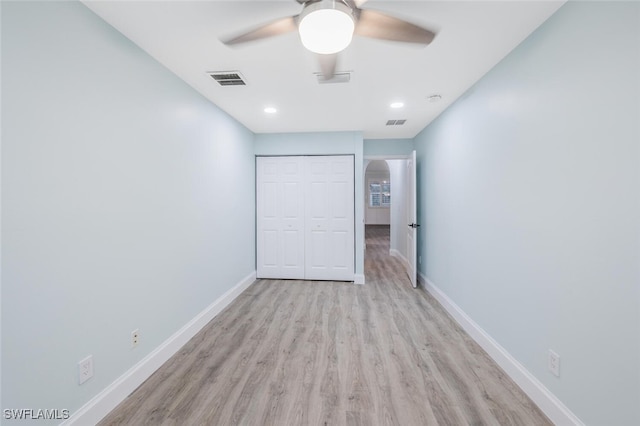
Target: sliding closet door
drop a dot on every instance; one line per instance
(329, 217)
(280, 217)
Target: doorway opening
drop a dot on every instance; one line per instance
(387, 193)
(377, 216)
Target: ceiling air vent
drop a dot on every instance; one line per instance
(395, 122)
(228, 78)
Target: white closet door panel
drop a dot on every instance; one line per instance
(341, 190)
(280, 217)
(291, 203)
(340, 255)
(317, 214)
(268, 222)
(317, 250)
(269, 248)
(318, 201)
(329, 204)
(291, 194)
(269, 206)
(291, 249)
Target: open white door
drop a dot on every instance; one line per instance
(412, 218)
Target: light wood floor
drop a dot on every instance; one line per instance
(328, 353)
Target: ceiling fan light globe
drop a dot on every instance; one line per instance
(326, 31)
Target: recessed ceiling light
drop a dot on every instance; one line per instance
(270, 110)
(397, 105)
(434, 98)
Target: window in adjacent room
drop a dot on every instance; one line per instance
(379, 193)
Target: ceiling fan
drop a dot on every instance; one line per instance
(327, 26)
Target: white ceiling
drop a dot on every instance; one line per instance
(472, 37)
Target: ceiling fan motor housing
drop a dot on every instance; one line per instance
(326, 26)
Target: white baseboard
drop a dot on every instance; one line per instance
(100, 405)
(557, 412)
(397, 254)
(358, 279)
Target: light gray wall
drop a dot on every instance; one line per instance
(388, 147)
(326, 143)
(127, 202)
(529, 201)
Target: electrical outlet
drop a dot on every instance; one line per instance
(135, 338)
(85, 369)
(554, 363)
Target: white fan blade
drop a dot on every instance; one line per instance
(382, 26)
(274, 28)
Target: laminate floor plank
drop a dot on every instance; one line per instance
(290, 352)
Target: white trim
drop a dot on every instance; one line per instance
(557, 412)
(387, 157)
(100, 405)
(358, 279)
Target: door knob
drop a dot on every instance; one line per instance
(413, 225)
